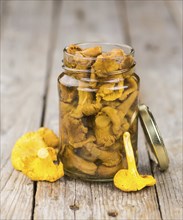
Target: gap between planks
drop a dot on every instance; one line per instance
(76, 191)
(25, 36)
(168, 188)
(124, 14)
(75, 202)
(175, 9)
(52, 39)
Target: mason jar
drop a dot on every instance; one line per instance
(98, 102)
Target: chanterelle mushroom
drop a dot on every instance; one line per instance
(41, 166)
(35, 154)
(129, 179)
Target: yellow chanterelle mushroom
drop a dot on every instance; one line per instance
(129, 179)
(49, 137)
(41, 166)
(35, 154)
(25, 147)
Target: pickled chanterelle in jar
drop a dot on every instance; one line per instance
(98, 93)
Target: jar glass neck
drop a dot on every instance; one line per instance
(98, 60)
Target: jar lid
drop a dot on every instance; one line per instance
(153, 137)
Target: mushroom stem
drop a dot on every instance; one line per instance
(129, 179)
(129, 152)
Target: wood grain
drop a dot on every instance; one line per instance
(33, 36)
(159, 63)
(175, 9)
(170, 187)
(24, 49)
(77, 199)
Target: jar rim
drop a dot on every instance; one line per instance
(121, 46)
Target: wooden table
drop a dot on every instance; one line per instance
(33, 36)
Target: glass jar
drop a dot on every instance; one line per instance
(98, 102)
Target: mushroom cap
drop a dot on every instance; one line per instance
(129, 181)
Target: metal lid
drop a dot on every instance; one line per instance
(153, 137)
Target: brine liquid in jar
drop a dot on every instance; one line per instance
(98, 100)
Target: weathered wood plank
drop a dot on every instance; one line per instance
(158, 55)
(127, 205)
(175, 8)
(159, 63)
(81, 21)
(169, 188)
(24, 38)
